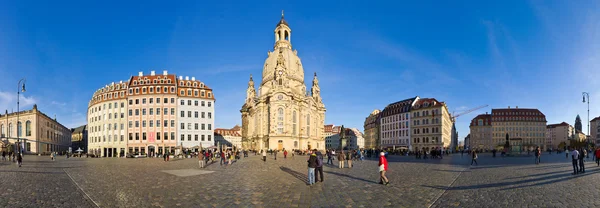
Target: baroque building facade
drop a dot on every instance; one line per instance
(372, 128)
(282, 114)
(141, 116)
(395, 124)
(36, 132)
(431, 125)
(481, 132)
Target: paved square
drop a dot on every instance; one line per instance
(250, 182)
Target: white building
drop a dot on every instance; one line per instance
(195, 114)
(395, 124)
(229, 137)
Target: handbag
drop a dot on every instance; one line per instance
(381, 168)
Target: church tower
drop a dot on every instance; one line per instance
(283, 115)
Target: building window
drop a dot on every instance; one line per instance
(196, 114)
(202, 127)
(308, 124)
(189, 137)
(279, 120)
(203, 115)
(137, 136)
(196, 102)
(209, 115)
(189, 114)
(182, 102)
(209, 104)
(202, 137)
(209, 137)
(182, 125)
(172, 111)
(196, 137)
(294, 123)
(209, 126)
(202, 103)
(196, 126)
(172, 135)
(28, 128)
(172, 123)
(183, 114)
(19, 129)
(166, 135)
(182, 137)
(144, 135)
(158, 134)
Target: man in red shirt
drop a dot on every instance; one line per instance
(597, 153)
(383, 167)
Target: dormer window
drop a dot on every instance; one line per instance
(195, 84)
(134, 82)
(201, 85)
(189, 84)
(181, 83)
(426, 104)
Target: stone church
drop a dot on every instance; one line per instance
(283, 114)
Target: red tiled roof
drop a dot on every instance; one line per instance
(328, 128)
(431, 101)
(487, 120)
(227, 132)
(518, 114)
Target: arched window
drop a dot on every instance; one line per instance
(294, 123)
(19, 129)
(3, 134)
(308, 124)
(28, 128)
(280, 120)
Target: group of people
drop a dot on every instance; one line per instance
(16, 158)
(315, 164)
(434, 153)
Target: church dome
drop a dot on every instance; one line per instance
(283, 60)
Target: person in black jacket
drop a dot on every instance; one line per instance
(312, 164)
(319, 169)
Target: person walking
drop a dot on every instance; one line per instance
(341, 158)
(574, 158)
(284, 154)
(597, 153)
(312, 164)
(319, 169)
(3, 156)
(383, 167)
(264, 154)
(538, 154)
(349, 157)
(201, 159)
(19, 159)
(222, 155)
(275, 153)
(473, 157)
(581, 161)
(329, 158)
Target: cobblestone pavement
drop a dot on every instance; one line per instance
(250, 182)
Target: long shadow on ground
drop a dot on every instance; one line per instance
(296, 174)
(349, 176)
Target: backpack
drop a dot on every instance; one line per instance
(319, 162)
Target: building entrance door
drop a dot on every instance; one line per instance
(151, 151)
(280, 145)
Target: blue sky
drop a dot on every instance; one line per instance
(531, 54)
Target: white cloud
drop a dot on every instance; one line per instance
(8, 101)
(58, 103)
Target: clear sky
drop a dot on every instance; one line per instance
(531, 54)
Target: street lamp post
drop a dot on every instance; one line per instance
(20, 88)
(587, 94)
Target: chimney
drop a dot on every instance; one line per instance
(193, 78)
(152, 73)
(180, 77)
(187, 78)
(113, 83)
(164, 72)
(141, 74)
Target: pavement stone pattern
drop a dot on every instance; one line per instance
(250, 182)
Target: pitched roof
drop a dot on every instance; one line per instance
(595, 119)
(402, 106)
(487, 120)
(79, 129)
(557, 125)
(227, 132)
(430, 102)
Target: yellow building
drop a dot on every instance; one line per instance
(431, 125)
(372, 128)
(481, 132)
(37, 132)
(557, 134)
(526, 128)
(283, 114)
